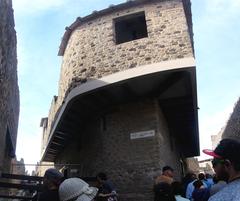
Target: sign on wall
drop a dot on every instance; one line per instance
(142, 134)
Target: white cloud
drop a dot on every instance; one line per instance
(211, 124)
(29, 148)
(34, 7)
(221, 4)
(29, 133)
(221, 11)
(23, 58)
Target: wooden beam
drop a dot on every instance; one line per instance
(52, 150)
(61, 133)
(21, 177)
(20, 186)
(16, 197)
(61, 145)
(59, 137)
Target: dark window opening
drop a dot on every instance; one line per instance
(182, 167)
(9, 148)
(104, 123)
(65, 173)
(130, 27)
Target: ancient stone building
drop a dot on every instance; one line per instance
(127, 99)
(9, 92)
(232, 129)
(18, 167)
(216, 138)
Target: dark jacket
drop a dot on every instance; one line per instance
(49, 195)
(201, 194)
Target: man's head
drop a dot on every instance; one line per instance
(208, 176)
(167, 171)
(226, 162)
(52, 178)
(201, 176)
(197, 184)
(193, 176)
(219, 169)
(101, 177)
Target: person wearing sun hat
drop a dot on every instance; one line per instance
(226, 163)
(76, 189)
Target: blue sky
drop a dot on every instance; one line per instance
(40, 25)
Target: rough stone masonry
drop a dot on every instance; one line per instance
(91, 51)
(9, 92)
(102, 141)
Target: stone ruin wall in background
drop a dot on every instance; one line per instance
(9, 92)
(232, 128)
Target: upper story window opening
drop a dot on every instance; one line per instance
(130, 27)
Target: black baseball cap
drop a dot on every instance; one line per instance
(53, 175)
(165, 168)
(227, 149)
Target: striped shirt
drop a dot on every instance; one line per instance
(229, 193)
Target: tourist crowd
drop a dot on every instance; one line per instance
(223, 186)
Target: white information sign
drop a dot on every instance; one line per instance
(142, 134)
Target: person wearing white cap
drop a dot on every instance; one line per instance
(75, 189)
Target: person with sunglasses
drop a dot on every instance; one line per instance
(226, 164)
(221, 177)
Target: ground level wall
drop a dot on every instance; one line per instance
(132, 164)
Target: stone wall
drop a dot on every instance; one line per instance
(92, 53)
(192, 165)
(9, 99)
(232, 128)
(48, 126)
(103, 142)
(217, 138)
(132, 164)
(19, 167)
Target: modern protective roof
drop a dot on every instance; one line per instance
(172, 82)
